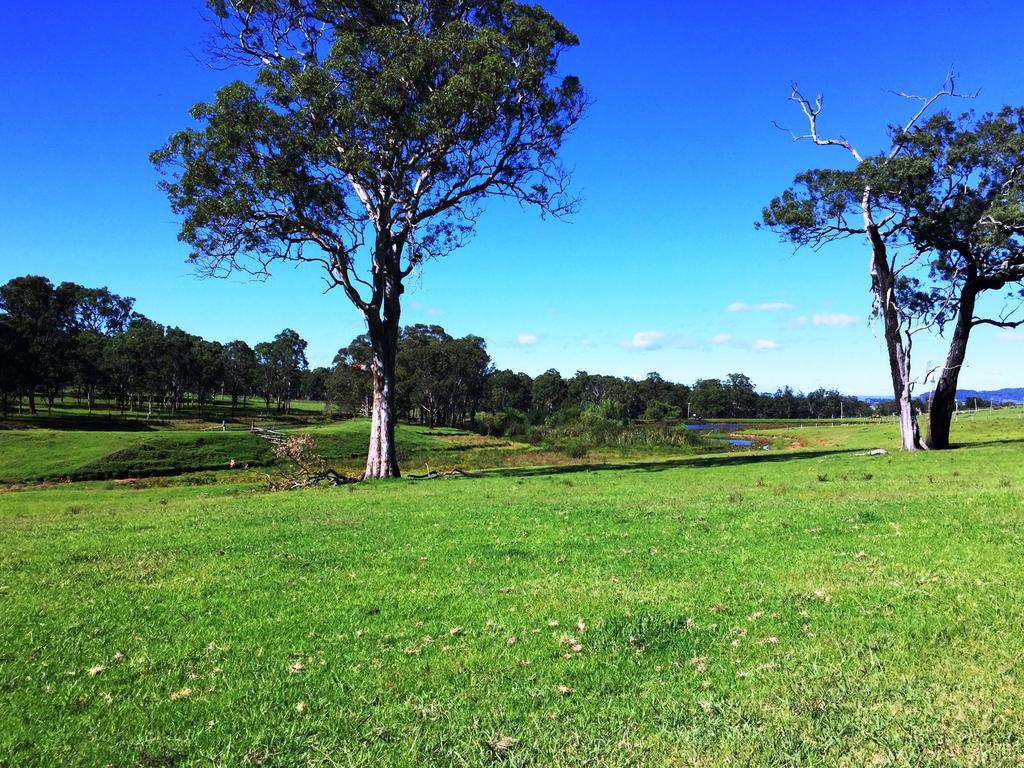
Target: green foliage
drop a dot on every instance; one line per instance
(54, 336)
(577, 449)
(508, 391)
(943, 210)
(491, 423)
(14, 361)
(709, 399)
(281, 364)
(404, 119)
(658, 411)
(440, 380)
(549, 393)
(605, 412)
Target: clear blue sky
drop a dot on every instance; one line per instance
(674, 162)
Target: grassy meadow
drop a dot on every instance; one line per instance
(806, 605)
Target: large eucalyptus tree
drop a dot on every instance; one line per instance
(943, 212)
(966, 215)
(366, 142)
(825, 205)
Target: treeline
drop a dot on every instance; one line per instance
(90, 344)
(514, 401)
(444, 381)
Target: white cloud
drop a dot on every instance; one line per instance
(771, 306)
(428, 311)
(835, 320)
(585, 342)
(722, 338)
(646, 340)
(526, 339)
(765, 344)
(1007, 335)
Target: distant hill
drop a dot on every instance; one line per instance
(1008, 395)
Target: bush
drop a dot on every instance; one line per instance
(603, 413)
(563, 417)
(535, 435)
(660, 411)
(576, 449)
(501, 423)
(491, 424)
(690, 437)
(516, 422)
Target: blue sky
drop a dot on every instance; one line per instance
(661, 270)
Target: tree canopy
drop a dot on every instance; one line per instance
(367, 142)
(941, 208)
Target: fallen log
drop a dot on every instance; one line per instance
(441, 475)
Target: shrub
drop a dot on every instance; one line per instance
(605, 412)
(491, 424)
(576, 449)
(535, 435)
(659, 411)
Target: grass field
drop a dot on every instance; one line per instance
(32, 455)
(806, 607)
(71, 413)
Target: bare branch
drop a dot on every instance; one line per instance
(997, 323)
(811, 112)
(948, 90)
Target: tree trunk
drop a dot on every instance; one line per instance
(32, 401)
(940, 415)
(884, 287)
(383, 328)
(382, 459)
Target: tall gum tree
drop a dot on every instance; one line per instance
(827, 205)
(366, 142)
(965, 215)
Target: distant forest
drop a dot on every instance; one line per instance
(89, 344)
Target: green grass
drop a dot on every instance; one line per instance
(806, 607)
(31, 455)
(43, 454)
(70, 413)
(34, 455)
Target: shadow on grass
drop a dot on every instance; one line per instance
(693, 462)
(81, 423)
(134, 422)
(983, 443)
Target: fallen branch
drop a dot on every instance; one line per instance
(441, 475)
(305, 468)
